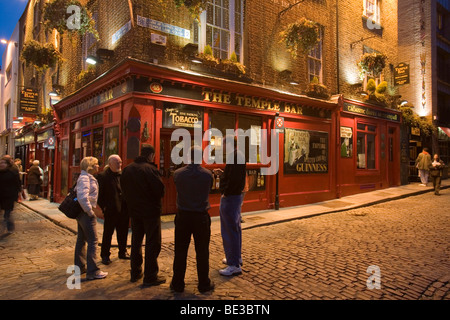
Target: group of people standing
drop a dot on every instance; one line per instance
(430, 167)
(136, 193)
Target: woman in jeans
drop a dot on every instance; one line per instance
(87, 193)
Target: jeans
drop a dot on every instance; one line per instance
(230, 226)
(151, 228)
(199, 225)
(423, 174)
(87, 232)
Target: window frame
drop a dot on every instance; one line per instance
(201, 28)
(312, 56)
(367, 132)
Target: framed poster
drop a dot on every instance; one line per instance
(346, 142)
(305, 151)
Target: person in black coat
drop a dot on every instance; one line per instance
(115, 213)
(10, 188)
(143, 189)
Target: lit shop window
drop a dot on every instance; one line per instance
(366, 147)
(221, 27)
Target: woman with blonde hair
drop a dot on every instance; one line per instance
(87, 193)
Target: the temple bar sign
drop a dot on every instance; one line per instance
(28, 101)
(401, 74)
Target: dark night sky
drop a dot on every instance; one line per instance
(10, 12)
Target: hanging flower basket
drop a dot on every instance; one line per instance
(40, 56)
(371, 63)
(195, 7)
(317, 90)
(300, 37)
(56, 17)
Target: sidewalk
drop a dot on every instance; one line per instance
(253, 219)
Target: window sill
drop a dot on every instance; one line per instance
(372, 26)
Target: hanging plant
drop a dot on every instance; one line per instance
(371, 63)
(56, 17)
(300, 37)
(40, 56)
(195, 7)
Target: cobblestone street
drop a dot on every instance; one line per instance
(323, 257)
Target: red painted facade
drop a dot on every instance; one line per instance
(127, 107)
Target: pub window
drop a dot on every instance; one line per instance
(315, 61)
(221, 27)
(97, 118)
(76, 147)
(372, 10)
(366, 147)
(64, 166)
(247, 122)
(111, 141)
(221, 121)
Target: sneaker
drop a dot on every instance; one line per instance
(230, 271)
(224, 261)
(98, 275)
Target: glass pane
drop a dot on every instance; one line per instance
(222, 121)
(361, 151)
(86, 144)
(98, 145)
(252, 151)
(111, 141)
(217, 16)
(371, 151)
(76, 141)
(225, 19)
(361, 126)
(210, 14)
(371, 128)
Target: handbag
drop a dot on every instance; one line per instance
(70, 205)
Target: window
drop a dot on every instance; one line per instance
(221, 121)
(252, 143)
(365, 143)
(221, 27)
(8, 74)
(315, 61)
(7, 115)
(372, 10)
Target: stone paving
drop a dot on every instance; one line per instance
(324, 257)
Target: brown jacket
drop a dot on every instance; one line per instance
(423, 161)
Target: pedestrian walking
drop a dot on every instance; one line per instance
(115, 214)
(423, 163)
(87, 193)
(436, 169)
(142, 190)
(193, 184)
(34, 180)
(232, 183)
(9, 192)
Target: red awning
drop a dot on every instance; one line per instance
(446, 130)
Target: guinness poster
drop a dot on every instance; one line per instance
(305, 152)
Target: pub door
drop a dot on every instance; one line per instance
(393, 158)
(167, 168)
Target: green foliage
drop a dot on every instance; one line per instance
(56, 17)
(371, 85)
(382, 87)
(195, 7)
(412, 120)
(300, 37)
(208, 51)
(41, 57)
(372, 63)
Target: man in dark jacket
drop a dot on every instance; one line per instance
(193, 185)
(232, 182)
(115, 215)
(143, 189)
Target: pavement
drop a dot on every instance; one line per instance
(253, 219)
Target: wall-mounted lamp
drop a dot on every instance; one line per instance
(190, 51)
(92, 60)
(101, 56)
(403, 102)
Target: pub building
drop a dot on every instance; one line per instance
(327, 148)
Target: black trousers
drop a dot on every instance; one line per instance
(151, 228)
(114, 221)
(186, 225)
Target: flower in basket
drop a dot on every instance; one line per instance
(232, 65)
(300, 37)
(371, 63)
